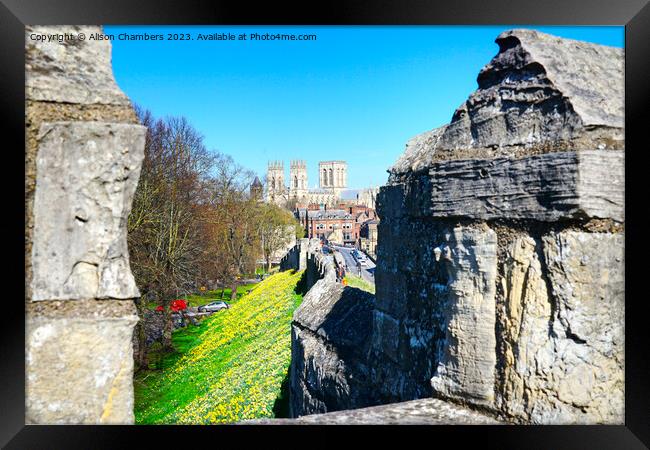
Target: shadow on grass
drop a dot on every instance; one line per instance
(301, 287)
(281, 405)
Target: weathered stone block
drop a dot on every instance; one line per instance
(390, 201)
(87, 173)
(428, 411)
(317, 375)
(71, 71)
(540, 88)
(386, 335)
(563, 360)
(330, 342)
(80, 366)
(586, 271)
(467, 354)
(418, 154)
(539, 94)
(393, 286)
(339, 314)
(546, 187)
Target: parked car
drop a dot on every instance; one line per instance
(214, 306)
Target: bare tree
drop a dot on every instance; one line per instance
(164, 237)
(277, 228)
(193, 220)
(233, 222)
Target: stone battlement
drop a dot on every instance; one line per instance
(500, 270)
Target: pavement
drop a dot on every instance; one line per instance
(367, 272)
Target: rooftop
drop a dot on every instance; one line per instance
(326, 214)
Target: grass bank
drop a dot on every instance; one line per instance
(202, 298)
(357, 282)
(229, 368)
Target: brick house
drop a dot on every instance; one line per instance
(368, 237)
(322, 222)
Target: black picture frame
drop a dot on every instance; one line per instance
(633, 14)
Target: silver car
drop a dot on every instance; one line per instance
(214, 306)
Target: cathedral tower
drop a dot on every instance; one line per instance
(298, 180)
(275, 188)
(333, 176)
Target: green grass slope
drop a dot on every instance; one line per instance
(229, 368)
(360, 283)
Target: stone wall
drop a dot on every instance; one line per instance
(296, 257)
(500, 271)
(511, 298)
(329, 331)
(428, 411)
(84, 149)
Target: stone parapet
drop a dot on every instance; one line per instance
(548, 187)
(500, 276)
(500, 259)
(71, 71)
(329, 341)
(427, 411)
(84, 150)
(296, 257)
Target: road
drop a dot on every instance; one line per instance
(367, 273)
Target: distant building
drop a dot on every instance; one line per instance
(368, 237)
(298, 180)
(257, 189)
(333, 176)
(341, 225)
(368, 197)
(323, 223)
(332, 182)
(276, 191)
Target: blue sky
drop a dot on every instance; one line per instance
(355, 94)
